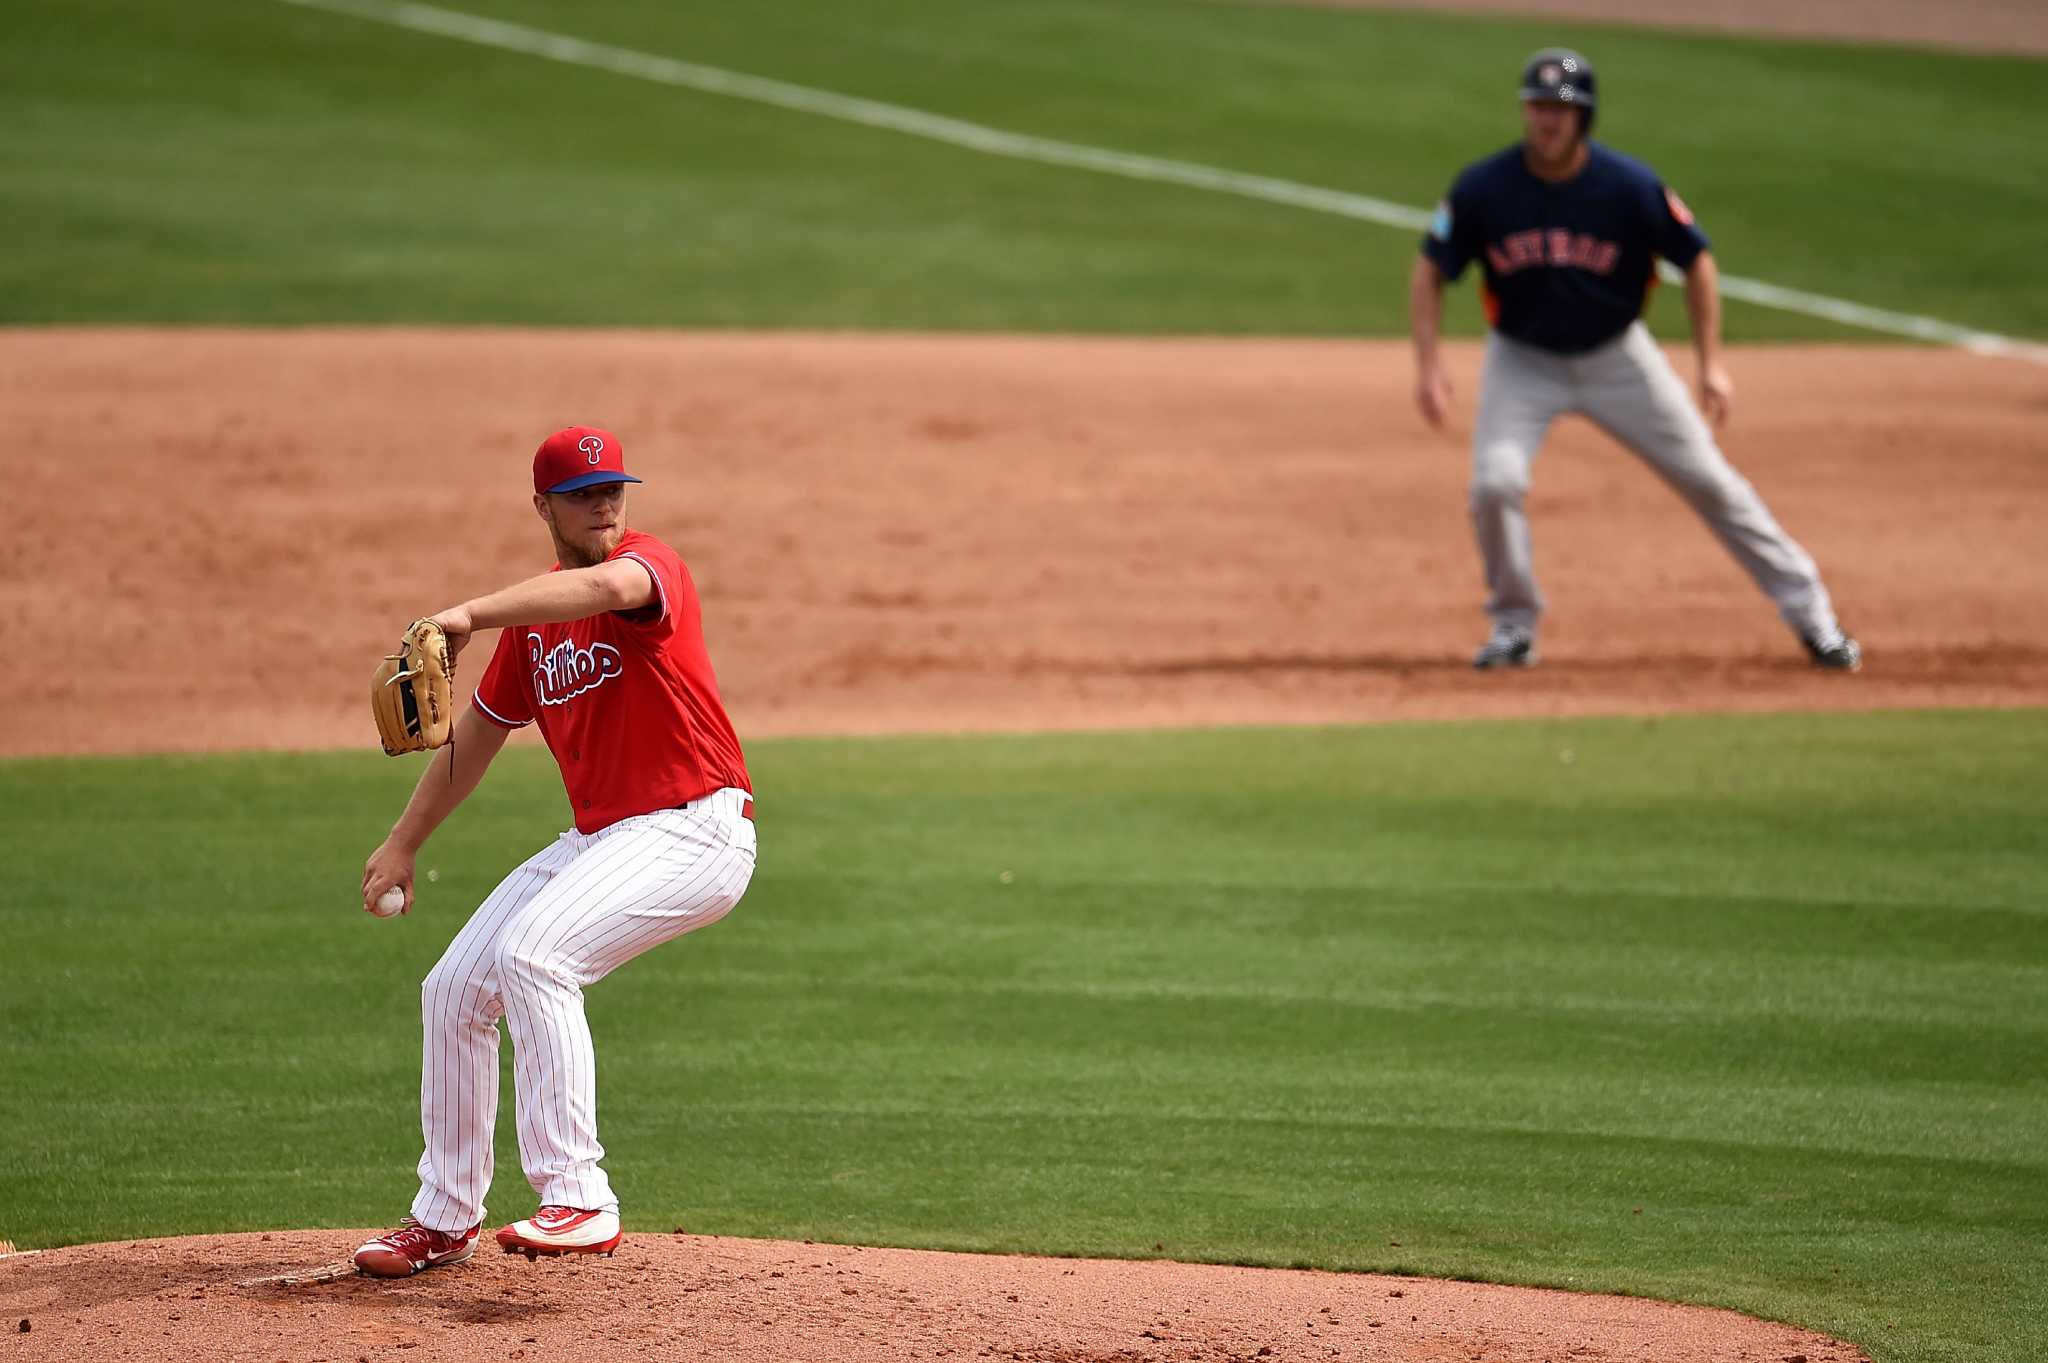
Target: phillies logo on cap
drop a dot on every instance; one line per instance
(579, 456)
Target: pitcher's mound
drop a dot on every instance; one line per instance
(697, 1297)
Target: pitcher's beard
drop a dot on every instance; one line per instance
(589, 553)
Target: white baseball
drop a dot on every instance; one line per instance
(391, 902)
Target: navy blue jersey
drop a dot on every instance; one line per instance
(1569, 264)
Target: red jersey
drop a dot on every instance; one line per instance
(626, 700)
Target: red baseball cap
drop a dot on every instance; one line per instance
(579, 456)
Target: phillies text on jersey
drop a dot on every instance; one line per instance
(627, 701)
(564, 672)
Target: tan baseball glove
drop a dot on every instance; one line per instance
(413, 692)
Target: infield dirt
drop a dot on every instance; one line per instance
(2000, 26)
(766, 1301)
(896, 533)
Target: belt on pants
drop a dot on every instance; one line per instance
(746, 807)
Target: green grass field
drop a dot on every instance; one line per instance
(1750, 1011)
(251, 161)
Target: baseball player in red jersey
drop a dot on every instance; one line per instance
(605, 652)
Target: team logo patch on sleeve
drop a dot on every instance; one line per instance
(1440, 222)
(1677, 206)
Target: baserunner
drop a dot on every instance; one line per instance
(1567, 233)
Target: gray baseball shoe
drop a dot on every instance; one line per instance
(1835, 651)
(1507, 646)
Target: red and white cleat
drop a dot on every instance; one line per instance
(562, 1230)
(412, 1248)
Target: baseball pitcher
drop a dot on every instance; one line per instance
(605, 652)
(1567, 233)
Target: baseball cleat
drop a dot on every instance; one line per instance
(1834, 650)
(1508, 646)
(413, 1248)
(562, 1230)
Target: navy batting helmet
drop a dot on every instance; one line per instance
(1558, 75)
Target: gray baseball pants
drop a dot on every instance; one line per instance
(1630, 390)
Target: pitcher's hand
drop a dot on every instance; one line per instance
(388, 865)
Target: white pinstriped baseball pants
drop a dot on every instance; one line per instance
(573, 913)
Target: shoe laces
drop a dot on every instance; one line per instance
(411, 1234)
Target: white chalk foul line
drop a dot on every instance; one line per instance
(875, 114)
(1768, 295)
(560, 47)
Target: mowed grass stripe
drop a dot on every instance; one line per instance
(1431, 999)
(357, 173)
(574, 51)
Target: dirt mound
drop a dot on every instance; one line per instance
(934, 533)
(699, 1297)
